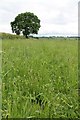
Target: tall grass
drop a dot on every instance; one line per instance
(40, 79)
(0, 76)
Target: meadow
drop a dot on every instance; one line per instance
(40, 78)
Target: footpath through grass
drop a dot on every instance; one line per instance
(40, 79)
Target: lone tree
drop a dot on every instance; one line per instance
(25, 23)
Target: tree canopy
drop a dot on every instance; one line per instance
(26, 23)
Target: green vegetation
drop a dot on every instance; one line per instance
(26, 23)
(4, 36)
(40, 78)
(0, 76)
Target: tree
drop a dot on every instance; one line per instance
(25, 23)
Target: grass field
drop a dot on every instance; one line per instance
(0, 77)
(40, 78)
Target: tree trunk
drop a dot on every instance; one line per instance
(26, 36)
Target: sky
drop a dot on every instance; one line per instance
(58, 17)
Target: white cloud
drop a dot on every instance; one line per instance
(57, 16)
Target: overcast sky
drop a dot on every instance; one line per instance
(58, 17)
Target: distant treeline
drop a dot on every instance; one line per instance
(12, 36)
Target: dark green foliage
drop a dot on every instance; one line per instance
(25, 23)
